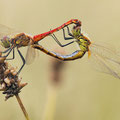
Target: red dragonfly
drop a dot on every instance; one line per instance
(10, 41)
(104, 58)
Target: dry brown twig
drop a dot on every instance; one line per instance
(10, 83)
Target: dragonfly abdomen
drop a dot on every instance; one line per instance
(75, 55)
(41, 36)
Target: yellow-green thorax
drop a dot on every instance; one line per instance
(82, 40)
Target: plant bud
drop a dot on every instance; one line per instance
(2, 59)
(7, 71)
(3, 85)
(7, 81)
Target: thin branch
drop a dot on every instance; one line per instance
(22, 107)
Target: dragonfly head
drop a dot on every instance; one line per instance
(5, 42)
(76, 31)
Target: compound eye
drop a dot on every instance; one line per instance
(5, 42)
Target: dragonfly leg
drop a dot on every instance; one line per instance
(6, 50)
(55, 38)
(69, 32)
(67, 38)
(13, 55)
(22, 60)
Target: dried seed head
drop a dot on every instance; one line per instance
(9, 80)
(2, 89)
(22, 85)
(6, 65)
(3, 85)
(2, 59)
(14, 73)
(12, 70)
(19, 79)
(7, 71)
(0, 53)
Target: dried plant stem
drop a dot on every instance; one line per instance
(50, 104)
(22, 107)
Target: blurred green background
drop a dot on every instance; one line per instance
(84, 94)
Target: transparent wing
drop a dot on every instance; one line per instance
(7, 31)
(5, 36)
(31, 55)
(105, 59)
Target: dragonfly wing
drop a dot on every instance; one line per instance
(30, 56)
(106, 51)
(7, 31)
(5, 36)
(105, 60)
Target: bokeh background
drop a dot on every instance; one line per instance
(84, 94)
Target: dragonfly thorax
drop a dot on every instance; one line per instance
(83, 42)
(21, 40)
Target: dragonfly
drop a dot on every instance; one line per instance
(103, 57)
(11, 39)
